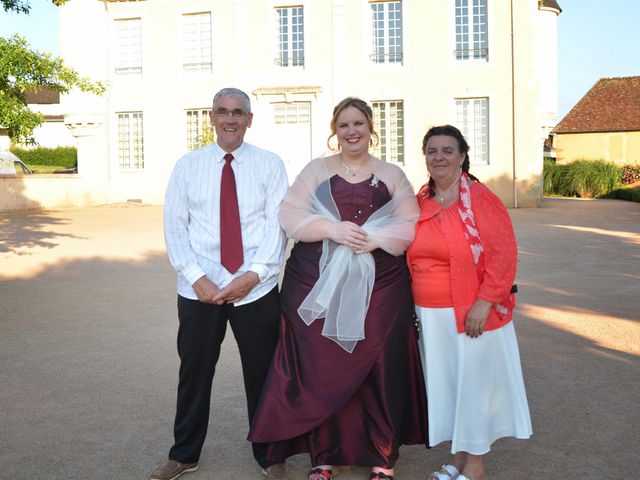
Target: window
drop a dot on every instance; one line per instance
(291, 113)
(199, 131)
(472, 117)
(197, 42)
(290, 24)
(128, 46)
(388, 119)
(386, 32)
(130, 141)
(471, 30)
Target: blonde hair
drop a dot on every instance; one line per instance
(360, 105)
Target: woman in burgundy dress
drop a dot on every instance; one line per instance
(346, 384)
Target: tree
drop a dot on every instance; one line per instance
(23, 69)
(207, 137)
(22, 6)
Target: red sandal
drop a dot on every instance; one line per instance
(380, 476)
(320, 474)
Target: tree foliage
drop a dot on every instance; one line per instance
(22, 70)
(22, 6)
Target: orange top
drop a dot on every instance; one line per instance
(467, 281)
(431, 283)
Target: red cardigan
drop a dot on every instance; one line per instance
(470, 281)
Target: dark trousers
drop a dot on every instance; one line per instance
(200, 335)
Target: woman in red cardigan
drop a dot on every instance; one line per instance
(463, 265)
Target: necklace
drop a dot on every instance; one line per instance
(351, 171)
(441, 194)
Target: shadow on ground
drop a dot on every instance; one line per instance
(29, 229)
(89, 365)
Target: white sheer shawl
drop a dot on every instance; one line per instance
(342, 293)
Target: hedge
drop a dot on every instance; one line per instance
(582, 178)
(59, 156)
(629, 194)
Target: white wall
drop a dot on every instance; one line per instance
(337, 44)
(53, 134)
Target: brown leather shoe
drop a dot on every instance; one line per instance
(277, 472)
(172, 470)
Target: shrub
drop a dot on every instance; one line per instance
(626, 193)
(59, 156)
(593, 178)
(620, 194)
(630, 173)
(582, 178)
(554, 178)
(548, 170)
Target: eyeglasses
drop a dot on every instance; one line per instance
(235, 113)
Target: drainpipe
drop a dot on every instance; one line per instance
(513, 114)
(108, 66)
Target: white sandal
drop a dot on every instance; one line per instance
(446, 472)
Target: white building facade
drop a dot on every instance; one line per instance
(481, 65)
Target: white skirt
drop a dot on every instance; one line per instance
(475, 390)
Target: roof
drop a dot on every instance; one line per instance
(549, 5)
(44, 96)
(611, 105)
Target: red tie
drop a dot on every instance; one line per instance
(230, 234)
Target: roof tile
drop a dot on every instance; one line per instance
(611, 105)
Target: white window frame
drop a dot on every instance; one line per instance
(473, 118)
(127, 46)
(197, 42)
(130, 158)
(196, 130)
(381, 16)
(391, 143)
(471, 30)
(290, 44)
(291, 113)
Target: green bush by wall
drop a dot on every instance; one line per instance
(582, 178)
(59, 156)
(625, 193)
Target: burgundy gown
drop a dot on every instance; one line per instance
(345, 408)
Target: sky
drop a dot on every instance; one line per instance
(596, 39)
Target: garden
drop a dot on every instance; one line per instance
(47, 160)
(592, 179)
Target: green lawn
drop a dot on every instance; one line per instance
(43, 168)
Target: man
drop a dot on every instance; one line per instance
(224, 240)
